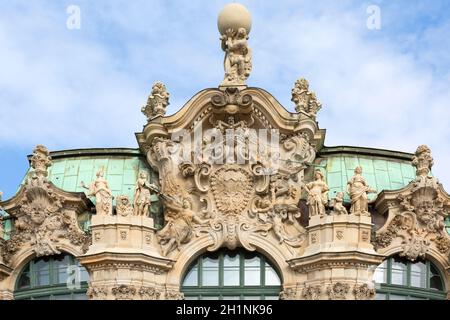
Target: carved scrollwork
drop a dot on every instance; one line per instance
(299, 152)
(261, 174)
(419, 211)
(232, 101)
(43, 215)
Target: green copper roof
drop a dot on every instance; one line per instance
(380, 173)
(121, 172)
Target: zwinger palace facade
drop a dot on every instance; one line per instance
(232, 197)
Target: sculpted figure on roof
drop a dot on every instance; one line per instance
(142, 194)
(238, 56)
(100, 190)
(305, 101)
(317, 194)
(157, 101)
(358, 189)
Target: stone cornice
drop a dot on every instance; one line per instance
(140, 261)
(325, 260)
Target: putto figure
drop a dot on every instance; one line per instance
(142, 195)
(317, 194)
(157, 101)
(100, 190)
(238, 56)
(338, 204)
(358, 189)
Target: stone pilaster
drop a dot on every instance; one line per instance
(339, 259)
(124, 261)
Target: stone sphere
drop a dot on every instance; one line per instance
(234, 16)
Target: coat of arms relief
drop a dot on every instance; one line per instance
(231, 176)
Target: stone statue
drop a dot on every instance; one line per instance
(317, 195)
(305, 100)
(123, 206)
(238, 56)
(100, 190)
(179, 227)
(157, 101)
(142, 194)
(422, 160)
(41, 160)
(338, 206)
(358, 189)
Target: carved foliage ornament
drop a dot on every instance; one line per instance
(363, 292)
(124, 292)
(305, 100)
(157, 101)
(312, 292)
(230, 202)
(42, 217)
(338, 291)
(288, 294)
(419, 213)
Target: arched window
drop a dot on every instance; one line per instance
(399, 279)
(231, 275)
(58, 277)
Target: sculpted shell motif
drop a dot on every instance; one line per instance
(232, 188)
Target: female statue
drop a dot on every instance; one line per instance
(358, 189)
(142, 194)
(317, 195)
(100, 190)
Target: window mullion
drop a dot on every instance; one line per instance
(200, 272)
(241, 270)
(221, 268)
(262, 267)
(389, 271)
(32, 277)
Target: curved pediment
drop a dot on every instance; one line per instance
(263, 107)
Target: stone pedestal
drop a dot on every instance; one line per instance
(124, 261)
(339, 260)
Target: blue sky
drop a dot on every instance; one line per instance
(66, 89)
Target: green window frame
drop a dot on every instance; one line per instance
(231, 275)
(45, 278)
(400, 279)
(447, 224)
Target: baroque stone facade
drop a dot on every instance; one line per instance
(234, 169)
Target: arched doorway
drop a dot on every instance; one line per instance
(231, 275)
(57, 277)
(399, 279)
